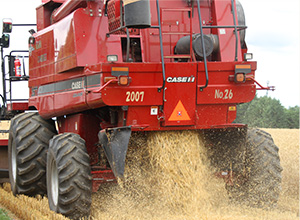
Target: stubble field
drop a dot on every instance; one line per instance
(175, 184)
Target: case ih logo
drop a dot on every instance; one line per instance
(185, 79)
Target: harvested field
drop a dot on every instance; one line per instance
(169, 180)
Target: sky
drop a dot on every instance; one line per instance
(272, 36)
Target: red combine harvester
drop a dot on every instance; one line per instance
(105, 69)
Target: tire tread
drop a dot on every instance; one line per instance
(263, 184)
(30, 134)
(74, 174)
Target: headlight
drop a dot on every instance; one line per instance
(112, 58)
(248, 56)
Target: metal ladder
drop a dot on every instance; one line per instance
(190, 33)
(235, 27)
(181, 56)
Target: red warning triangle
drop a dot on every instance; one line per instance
(179, 113)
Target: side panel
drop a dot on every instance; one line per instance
(69, 96)
(59, 54)
(60, 98)
(64, 44)
(86, 38)
(210, 115)
(41, 59)
(142, 90)
(220, 90)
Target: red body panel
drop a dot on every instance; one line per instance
(222, 16)
(3, 143)
(17, 106)
(185, 94)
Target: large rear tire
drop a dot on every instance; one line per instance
(262, 172)
(29, 137)
(69, 180)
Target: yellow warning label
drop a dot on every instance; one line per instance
(179, 113)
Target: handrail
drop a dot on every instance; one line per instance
(235, 31)
(241, 27)
(203, 47)
(161, 48)
(10, 79)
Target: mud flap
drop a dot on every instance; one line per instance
(115, 144)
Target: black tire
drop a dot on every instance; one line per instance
(29, 137)
(69, 179)
(262, 173)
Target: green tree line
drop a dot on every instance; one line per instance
(267, 112)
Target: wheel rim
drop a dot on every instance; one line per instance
(14, 163)
(54, 183)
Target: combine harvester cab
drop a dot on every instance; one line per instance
(105, 69)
